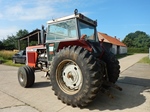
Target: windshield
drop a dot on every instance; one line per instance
(88, 30)
(62, 30)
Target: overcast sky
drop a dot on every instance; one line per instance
(115, 17)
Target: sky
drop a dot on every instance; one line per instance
(115, 17)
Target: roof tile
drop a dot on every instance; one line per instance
(110, 39)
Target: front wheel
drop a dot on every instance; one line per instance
(26, 76)
(75, 76)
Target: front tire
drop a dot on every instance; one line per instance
(75, 76)
(26, 76)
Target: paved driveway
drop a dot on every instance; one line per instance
(134, 79)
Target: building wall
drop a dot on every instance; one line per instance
(118, 49)
(123, 50)
(114, 49)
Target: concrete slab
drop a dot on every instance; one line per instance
(7, 101)
(138, 74)
(128, 61)
(40, 96)
(19, 109)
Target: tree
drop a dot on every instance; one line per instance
(21, 33)
(138, 39)
(11, 42)
(1, 45)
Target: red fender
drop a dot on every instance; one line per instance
(81, 43)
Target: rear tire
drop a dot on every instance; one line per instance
(26, 76)
(75, 76)
(113, 67)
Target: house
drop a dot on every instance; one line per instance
(113, 44)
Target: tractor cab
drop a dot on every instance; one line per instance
(71, 28)
(75, 29)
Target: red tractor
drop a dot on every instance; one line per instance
(75, 60)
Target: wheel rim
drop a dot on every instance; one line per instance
(21, 78)
(69, 77)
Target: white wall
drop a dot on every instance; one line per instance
(123, 50)
(114, 49)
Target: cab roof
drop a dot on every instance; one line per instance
(78, 15)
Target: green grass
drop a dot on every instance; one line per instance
(1, 58)
(145, 60)
(10, 63)
(6, 58)
(6, 54)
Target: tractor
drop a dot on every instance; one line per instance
(73, 58)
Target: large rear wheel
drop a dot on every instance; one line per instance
(113, 67)
(75, 76)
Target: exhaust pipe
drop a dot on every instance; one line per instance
(42, 35)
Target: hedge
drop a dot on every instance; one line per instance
(138, 50)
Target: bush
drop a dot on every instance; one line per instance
(138, 50)
(6, 55)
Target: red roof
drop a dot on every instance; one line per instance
(110, 39)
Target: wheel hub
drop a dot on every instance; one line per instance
(72, 76)
(21, 77)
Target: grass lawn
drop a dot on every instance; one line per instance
(6, 58)
(10, 63)
(145, 60)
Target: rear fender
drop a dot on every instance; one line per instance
(81, 43)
